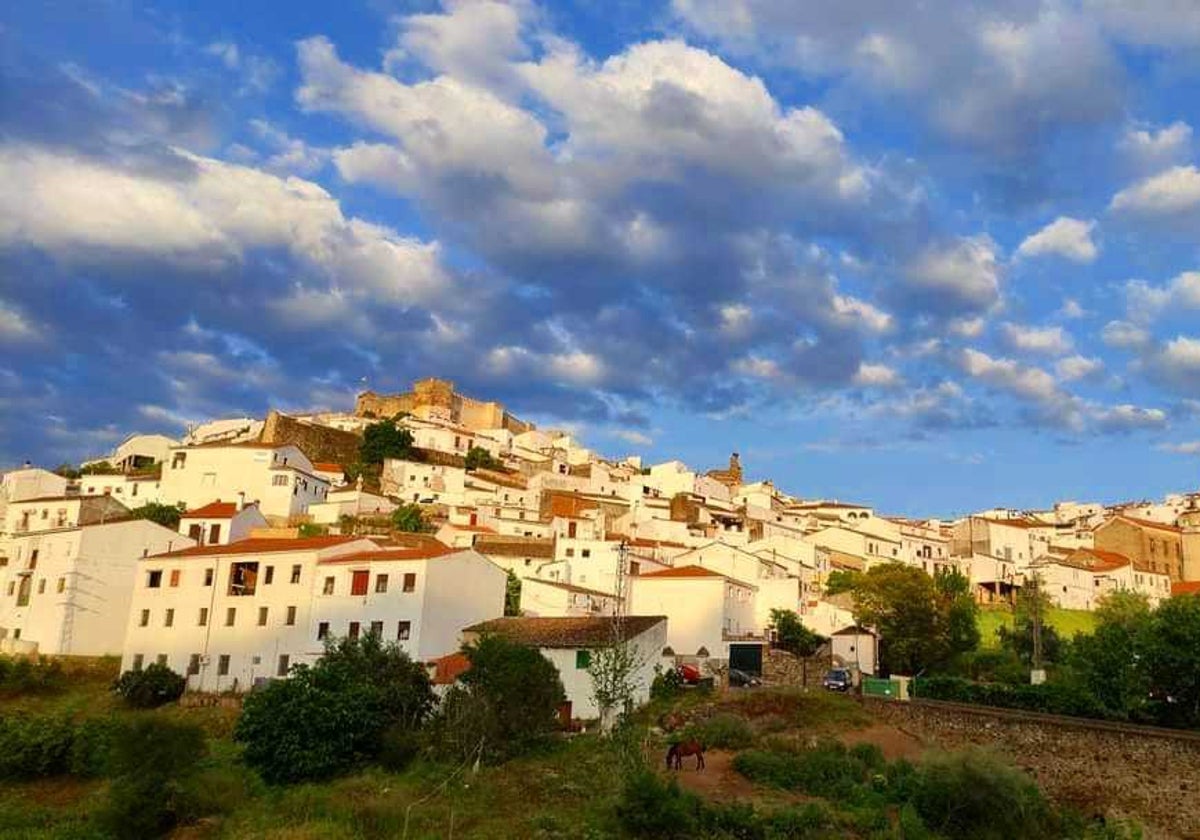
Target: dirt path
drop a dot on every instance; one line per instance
(717, 781)
(895, 743)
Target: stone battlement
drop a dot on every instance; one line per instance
(437, 400)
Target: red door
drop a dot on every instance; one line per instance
(358, 582)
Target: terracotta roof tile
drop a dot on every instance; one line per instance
(426, 552)
(684, 572)
(217, 509)
(1185, 587)
(565, 631)
(328, 466)
(265, 545)
(1149, 523)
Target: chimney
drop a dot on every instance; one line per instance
(241, 501)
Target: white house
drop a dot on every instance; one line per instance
(52, 513)
(552, 598)
(277, 476)
(856, 647)
(131, 490)
(229, 615)
(569, 642)
(137, 452)
(1081, 579)
(67, 591)
(220, 523)
(427, 483)
(349, 501)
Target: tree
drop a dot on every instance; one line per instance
(791, 635)
(153, 686)
(409, 518)
(900, 602)
(1032, 606)
(506, 703)
(67, 471)
(479, 458)
(512, 594)
(325, 719)
(959, 611)
(149, 760)
(614, 671)
(841, 580)
(98, 468)
(167, 516)
(384, 440)
(1108, 662)
(1171, 659)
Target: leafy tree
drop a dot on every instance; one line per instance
(409, 518)
(1032, 603)
(151, 687)
(841, 580)
(325, 719)
(479, 458)
(900, 602)
(506, 703)
(512, 594)
(312, 529)
(167, 516)
(791, 635)
(99, 468)
(959, 610)
(384, 440)
(149, 759)
(614, 668)
(1171, 659)
(67, 471)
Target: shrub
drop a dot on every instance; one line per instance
(724, 731)
(150, 759)
(35, 747)
(151, 687)
(827, 770)
(311, 529)
(1052, 698)
(666, 684)
(398, 746)
(973, 794)
(507, 703)
(27, 676)
(324, 720)
(651, 807)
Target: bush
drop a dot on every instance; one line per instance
(150, 760)
(398, 746)
(651, 807)
(151, 687)
(725, 731)
(972, 794)
(507, 703)
(666, 684)
(325, 720)
(828, 770)
(28, 676)
(44, 746)
(1051, 698)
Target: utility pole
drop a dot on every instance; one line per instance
(1038, 675)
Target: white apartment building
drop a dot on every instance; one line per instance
(228, 616)
(130, 490)
(279, 477)
(51, 513)
(424, 483)
(137, 452)
(1080, 580)
(552, 598)
(706, 612)
(349, 501)
(220, 523)
(66, 591)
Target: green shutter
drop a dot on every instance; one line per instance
(583, 658)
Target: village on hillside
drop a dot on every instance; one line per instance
(239, 551)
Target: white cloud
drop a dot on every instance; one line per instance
(736, 320)
(876, 376)
(1177, 190)
(1127, 417)
(1124, 335)
(1177, 364)
(962, 275)
(376, 163)
(1186, 448)
(1066, 237)
(1053, 341)
(757, 367)
(475, 41)
(1028, 382)
(1146, 303)
(1072, 309)
(967, 327)
(14, 327)
(871, 317)
(633, 437)
(1155, 149)
(1074, 368)
(571, 367)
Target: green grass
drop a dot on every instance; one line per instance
(1066, 622)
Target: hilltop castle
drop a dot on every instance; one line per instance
(436, 399)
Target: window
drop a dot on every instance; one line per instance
(154, 579)
(381, 583)
(203, 622)
(208, 577)
(41, 586)
(354, 627)
(33, 558)
(214, 534)
(570, 552)
(403, 630)
(571, 529)
(11, 587)
(280, 481)
(268, 575)
(196, 532)
(262, 616)
(358, 582)
(377, 629)
(230, 616)
(243, 578)
(587, 552)
(145, 622)
(583, 658)
(223, 665)
(410, 581)
(161, 659)
(282, 670)
(328, 590)
(62, 584)
(193, 664)
(291, 617)
(322, 631)
(178, 460)
(175, 577)
(296, 573)
(169, 618)
(138, 659)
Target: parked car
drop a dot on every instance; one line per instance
(740, 679)
(838, 679)
(690, 674)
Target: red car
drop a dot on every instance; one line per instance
(690, 674)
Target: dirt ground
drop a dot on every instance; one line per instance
(895, 743)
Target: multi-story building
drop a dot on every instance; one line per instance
(1155, 546)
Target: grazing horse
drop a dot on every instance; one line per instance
(677, 752)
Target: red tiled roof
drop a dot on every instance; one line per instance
(1016, 522)
(570, 587)
(447, 669)
(1148, 523)
(265, 545)
(478, 529)
(328, 466)
(684, 572)
(642, 542)
(425, 552)
(1096, 560)
(565, 631)
(217, 509)
(1186, 587)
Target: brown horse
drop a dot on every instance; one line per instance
(677, 752)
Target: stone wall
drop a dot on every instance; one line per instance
(437, 399)
(319, 443)
(782, 668)
(1147, 774)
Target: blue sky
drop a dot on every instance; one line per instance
(934, 257)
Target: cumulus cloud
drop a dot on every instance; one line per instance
(14, 327)
(1065, 237)
(1172, 192)
(1053, 341)
(956, 277)
(1154, 149)
(1074, 368)
(1145, 303)
(1177, 364)
(1027, 382)
(1191, 447)
(1124, 335)
(876, 376)
(1125, 418)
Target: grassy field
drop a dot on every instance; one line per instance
(1066, 622)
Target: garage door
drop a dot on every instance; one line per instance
(746, 658)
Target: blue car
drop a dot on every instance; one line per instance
(838, 679)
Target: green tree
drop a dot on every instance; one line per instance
(1108, 662)
(1171, 659)
(325, 719)
(167, 516)
(791, 635)
(900, 602)
(841, 580)
(479, 458)
(512, 594)
(959, 612)
(409, 518)
(67, 471)
(1033, 604)
(149, 760)
(506, 703)
(99, 468)
(384, 440)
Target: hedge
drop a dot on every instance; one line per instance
(1050, 698)
(45, 745)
